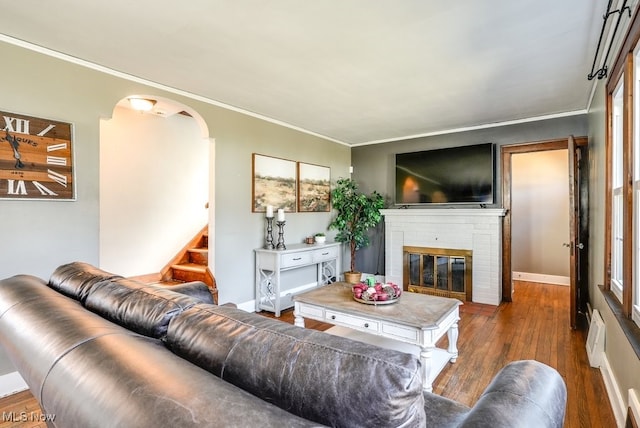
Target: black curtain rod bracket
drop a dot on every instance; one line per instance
(602, 72)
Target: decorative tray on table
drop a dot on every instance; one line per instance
(376, 293)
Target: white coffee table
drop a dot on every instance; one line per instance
(417, 319)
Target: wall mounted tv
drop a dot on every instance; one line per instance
(454, 175)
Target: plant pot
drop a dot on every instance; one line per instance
(321, 239)
(352, 277)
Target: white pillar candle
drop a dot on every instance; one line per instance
(280, 214)
(269, 211)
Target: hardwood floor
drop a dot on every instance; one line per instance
(21, 410)
(534, 326)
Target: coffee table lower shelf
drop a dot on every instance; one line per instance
(439, 357)
(416, 320)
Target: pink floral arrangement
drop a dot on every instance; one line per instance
(378, 292)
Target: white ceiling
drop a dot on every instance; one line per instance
(355, 71)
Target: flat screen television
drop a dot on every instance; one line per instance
(454, 175)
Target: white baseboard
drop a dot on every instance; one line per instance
(617, 401)
(634, 404)
(12, 383)
(538, 277)
(249, 306)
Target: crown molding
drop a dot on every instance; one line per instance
(132, 78)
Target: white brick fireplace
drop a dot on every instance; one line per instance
(475, 229)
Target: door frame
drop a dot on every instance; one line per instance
(506, 153)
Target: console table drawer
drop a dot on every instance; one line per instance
(324, 254)
(295, 259)
(351, 321)
(400, 333)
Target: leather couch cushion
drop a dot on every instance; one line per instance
(141, 308)
(77, 278)
(197, 289)
(324, 378)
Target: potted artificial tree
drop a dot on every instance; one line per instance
(356, 214)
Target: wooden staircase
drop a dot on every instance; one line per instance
(190, 264)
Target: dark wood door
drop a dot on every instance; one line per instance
(578, 229)
(578, 222)
(574, 215)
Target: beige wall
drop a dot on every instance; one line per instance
(38, 236)
(540, 212)
(622, 365)
(374, 165)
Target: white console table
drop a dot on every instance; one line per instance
(271, 263)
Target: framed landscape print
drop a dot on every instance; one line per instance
(314, 188)
(274, 183)
(36, 158)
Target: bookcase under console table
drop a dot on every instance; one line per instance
(270, 264)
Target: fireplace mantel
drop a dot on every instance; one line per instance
(475, 229)
(491, 212)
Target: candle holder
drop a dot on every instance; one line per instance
(280, 245)
(269, 244)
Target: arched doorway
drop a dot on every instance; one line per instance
(155, 178)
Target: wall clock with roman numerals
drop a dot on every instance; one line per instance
(36, 158)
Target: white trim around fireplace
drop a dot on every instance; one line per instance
(475, 229)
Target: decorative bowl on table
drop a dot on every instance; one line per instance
(376, 294)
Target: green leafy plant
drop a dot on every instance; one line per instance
(356, 214)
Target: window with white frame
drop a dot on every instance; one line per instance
(622, 226)
(635, 313)
(617, 180)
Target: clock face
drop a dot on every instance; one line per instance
(36, 158)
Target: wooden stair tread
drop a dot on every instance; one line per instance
(191, 267)
(190, 264)
(199, 250)
(168, 283)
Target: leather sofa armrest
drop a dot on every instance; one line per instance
(524, 393)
